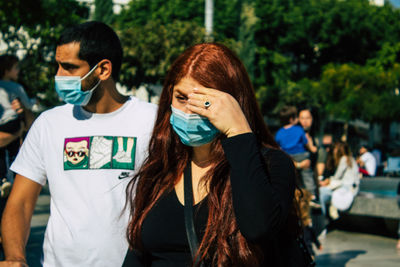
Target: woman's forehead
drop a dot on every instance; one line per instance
(186, 85)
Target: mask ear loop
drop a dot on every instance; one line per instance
(84, 77)
(90, 72)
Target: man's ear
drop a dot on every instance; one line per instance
(105, 69)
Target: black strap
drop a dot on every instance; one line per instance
(189, 223)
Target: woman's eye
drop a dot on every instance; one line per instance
(181, 98)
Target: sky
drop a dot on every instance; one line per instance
(395, 3)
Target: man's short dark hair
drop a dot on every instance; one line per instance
(6, 63)
(97, 42)
(287, 113)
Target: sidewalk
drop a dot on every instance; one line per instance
(34, 250)
(342, 248)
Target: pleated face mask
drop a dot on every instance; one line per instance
(192, 129)
(69, 88)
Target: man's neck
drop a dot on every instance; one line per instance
(106, 99)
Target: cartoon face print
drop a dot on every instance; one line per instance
(76, 151)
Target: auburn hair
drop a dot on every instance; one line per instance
(214, 66)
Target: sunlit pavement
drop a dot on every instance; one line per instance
(34, 250)
(342, 248)
(351, 247)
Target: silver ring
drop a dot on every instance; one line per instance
(207, 104)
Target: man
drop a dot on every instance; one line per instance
(87, 150)
(366, 162)
(322, 157)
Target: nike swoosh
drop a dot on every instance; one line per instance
(123, 175)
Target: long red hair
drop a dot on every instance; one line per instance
(213, 66)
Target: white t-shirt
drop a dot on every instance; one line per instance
(369, 163)
(87, 159)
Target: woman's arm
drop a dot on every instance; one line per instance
(132, 259)
(261, 201)
(336, 179)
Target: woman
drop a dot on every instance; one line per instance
(208, 119)
(346, 178)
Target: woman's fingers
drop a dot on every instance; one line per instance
(206, 91)
(198, 110)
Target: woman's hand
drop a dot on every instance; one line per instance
(17, 106)
(223, 112)
(325, 182)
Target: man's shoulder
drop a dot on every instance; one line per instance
(368, 156)
(145, 108)
(143, 104)
(55, 111)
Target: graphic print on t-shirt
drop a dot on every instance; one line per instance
(99, 152)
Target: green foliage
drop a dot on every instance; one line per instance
(104, 11)
(150, 50)
(246, 42)
(340, 56)
(350, 91)
(155, 32)
(34, 27)
(141, 12)
(299, 42)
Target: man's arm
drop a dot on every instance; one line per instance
(15, 225)
(6, 138)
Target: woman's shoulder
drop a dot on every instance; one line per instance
(276, 156)
(345, 158)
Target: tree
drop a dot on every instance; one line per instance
(246, 42)
(155, 32)
(104, 11)
(33, 27)
(297, 39)
(150, 50)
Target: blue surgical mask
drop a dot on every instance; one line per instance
(192, 129)
(69, 88)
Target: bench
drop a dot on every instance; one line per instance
(377, 198)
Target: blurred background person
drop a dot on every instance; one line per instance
(15, 111)
(346, 176)
(293, 140)
(322, 168)
(15, 118)
(306, 120)
(366, 162)
(303, 197)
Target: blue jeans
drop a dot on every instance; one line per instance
(325, 195)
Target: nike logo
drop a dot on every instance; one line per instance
(124, 175)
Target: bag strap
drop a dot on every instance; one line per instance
(188, 210)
